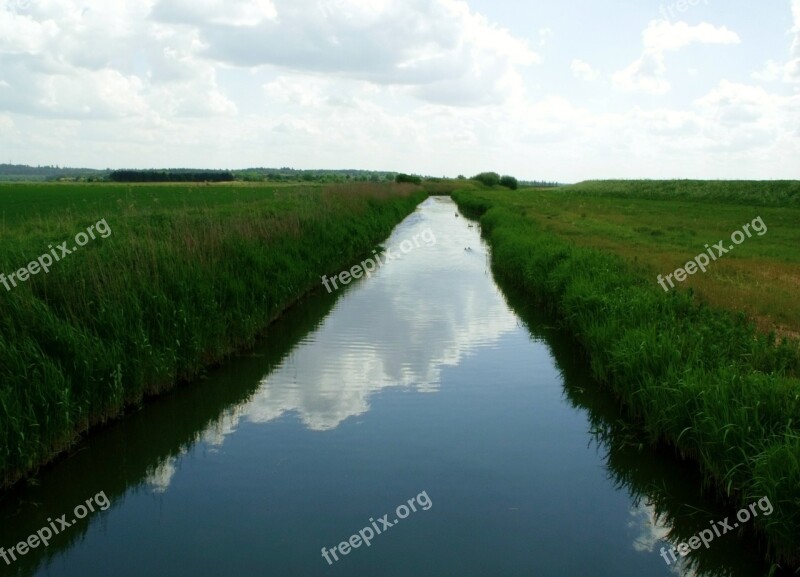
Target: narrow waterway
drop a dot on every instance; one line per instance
(422, 386)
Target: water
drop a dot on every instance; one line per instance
(421, 382)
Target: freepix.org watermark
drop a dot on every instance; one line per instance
(368, 533)
(370, 265)
(44, 262)
(702, 260)
(43, 535)
(681, 6)
(706, 536)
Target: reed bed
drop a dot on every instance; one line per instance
(702, 380)
(189, 275)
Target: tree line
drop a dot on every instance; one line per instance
(178, 175)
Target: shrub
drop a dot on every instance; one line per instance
(509, 182)
(488, 178)
(407, 178)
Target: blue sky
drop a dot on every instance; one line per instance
(566, 91)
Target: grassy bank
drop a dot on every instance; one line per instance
(657, 227)
(700, 378)
(186, 275)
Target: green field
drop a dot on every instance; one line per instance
(182, 276)
(699, 368)
(658, 227)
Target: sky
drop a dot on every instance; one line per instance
(564, 91)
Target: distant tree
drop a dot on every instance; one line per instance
(461, 177)
(488, 178)
(509, 182)
(177, 175)
(250, 176)
(407, 178)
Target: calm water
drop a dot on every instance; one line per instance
(422, 383)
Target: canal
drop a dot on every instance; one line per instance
(420, 422)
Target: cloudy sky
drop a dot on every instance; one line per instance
(565, 90)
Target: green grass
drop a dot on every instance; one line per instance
(189, 275)
(747, 192)
(699, 378)
(657, 233)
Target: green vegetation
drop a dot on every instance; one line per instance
(540, 183)
(746, 192)
(494, 179)
(316, 175)
(656, 232)
(190, 274)
(651, 474)
(700, 379)
(171, 175)
(24, 173)
(487, 178)
(444, 186)
(509, 182)
(408, 179)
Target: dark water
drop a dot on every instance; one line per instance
(419, 384)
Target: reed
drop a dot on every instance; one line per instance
(701, 379)
(189, 275)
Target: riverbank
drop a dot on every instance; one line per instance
(158, 283)
(700, 379)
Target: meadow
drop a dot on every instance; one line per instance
(190, 274)
(712, 368)
(657, 227)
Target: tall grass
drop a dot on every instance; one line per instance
(660, 233)
(701, 380)
(750, 192)
(187, 277)
(658, 483)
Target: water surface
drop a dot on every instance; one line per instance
(419, 380)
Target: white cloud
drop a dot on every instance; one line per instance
(21, 34)
(789, 71)
(792, 70)
(327, 385)
(6, 125)
(441, 48)
(662, 36)
(233, 13)
(644, 75)
(771, 72)
(61, 60)
(583, 70)
(647, 73)
(426, 86)
(745, 117)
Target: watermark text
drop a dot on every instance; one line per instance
(61, 251)
(368, 533)
(703, 260)
(718, 529)
(370, 265)
(46, 533)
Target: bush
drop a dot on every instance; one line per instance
(407, 178)
(509, 182)
(488, 178)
